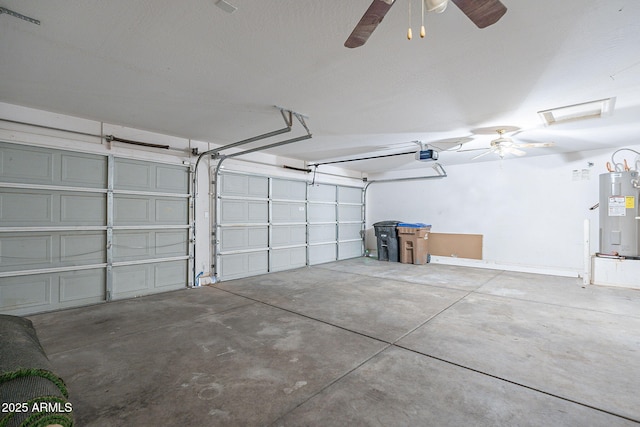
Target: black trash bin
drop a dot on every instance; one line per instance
(387, 234)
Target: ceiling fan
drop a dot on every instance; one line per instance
(483, 13)
(504, 145)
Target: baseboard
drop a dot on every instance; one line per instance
(493, 265)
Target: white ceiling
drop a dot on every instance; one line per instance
(190, 69)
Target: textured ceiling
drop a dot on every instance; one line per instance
(190, 69)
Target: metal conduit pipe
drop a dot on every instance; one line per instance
(437, 167)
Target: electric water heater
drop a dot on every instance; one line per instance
(619, 214)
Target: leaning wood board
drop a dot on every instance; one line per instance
(456, 245)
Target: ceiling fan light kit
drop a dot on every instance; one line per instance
(437, 6)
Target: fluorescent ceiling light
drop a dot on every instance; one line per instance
(585, 110)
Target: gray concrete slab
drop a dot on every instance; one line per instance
(59, 331)
(483, 347)
(402, 388)
(380, 308)
(446, 276)
(245, 366)
(587, 356)
(566, 291)
(273, 286)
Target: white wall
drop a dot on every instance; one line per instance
(530, 210)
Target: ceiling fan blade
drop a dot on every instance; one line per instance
(482, 12)
(489, 151)
(534, 145)
(368, 23)
(472, 149)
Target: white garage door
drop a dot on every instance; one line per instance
(77, 228)
(273, 224)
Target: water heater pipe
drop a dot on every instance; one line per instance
(586, 278)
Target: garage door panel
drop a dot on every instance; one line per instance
(82, 286)
(171, 211)
(26, 164)
(31, 208)
(283, 212)
(44, 166)
(20, 251)
(139, 175)
(85, 209)
(171, 179)
(234, 266)
(27, 208)
(319, 233)
(137, 245)
(144, 279)
(170, 275)
(132, 175)
(149, 210)
(349, 231)
(288, 235)
(319, 254)
(282, 189)
(244, 185)
(348, 250)
(83, 170)
(50, 249)
(288, 258)
(129, 245)
(241, 238)
(349, 213)
(172, 243)
(349, 195)
(322, 212)
(131, 280)
(25, 293)
(131, 210)
(244, 211)
(82, 247)
(322, 193)
(258, 211)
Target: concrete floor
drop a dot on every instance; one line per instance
(357, 342)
